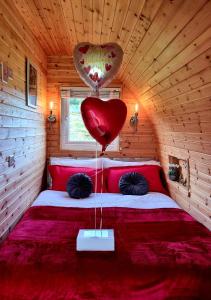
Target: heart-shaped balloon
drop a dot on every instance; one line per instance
(97, 64)
(103, 119)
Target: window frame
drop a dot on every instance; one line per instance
(65, 144)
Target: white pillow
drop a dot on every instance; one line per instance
(91, 162)
(108, 163)
(66, 161)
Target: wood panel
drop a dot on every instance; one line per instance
(22, 129)
(173, 82)
(61, 72)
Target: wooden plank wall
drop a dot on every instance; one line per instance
(22, 129)
(61, 72)
(173, 82)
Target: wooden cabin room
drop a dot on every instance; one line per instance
(105, 149)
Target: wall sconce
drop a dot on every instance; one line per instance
(51, 117)
(134, 118)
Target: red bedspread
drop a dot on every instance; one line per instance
(160, 254)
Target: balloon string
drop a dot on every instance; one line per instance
(101, 208)
(101, 189)
(95, 184)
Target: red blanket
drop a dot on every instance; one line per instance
(160, 254)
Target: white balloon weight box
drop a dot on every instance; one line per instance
(95, 240)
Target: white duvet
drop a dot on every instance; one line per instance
(148, 201)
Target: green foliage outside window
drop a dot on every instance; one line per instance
(77, 129)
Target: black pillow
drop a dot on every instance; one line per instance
(133, 183)
(79, 186)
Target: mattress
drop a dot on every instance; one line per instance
(149, 201)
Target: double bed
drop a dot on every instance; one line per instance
(161, 252)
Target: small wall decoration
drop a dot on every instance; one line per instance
(179, 171)
(134, 118)
(173, 172)
(31, 85)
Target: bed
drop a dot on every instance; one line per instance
(161, 251)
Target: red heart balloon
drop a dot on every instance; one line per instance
(103, 119)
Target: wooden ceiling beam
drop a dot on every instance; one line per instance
(29, 11)
(145, 20)
(87, 7)
(162, 18)
(192, 17)
(108, 19)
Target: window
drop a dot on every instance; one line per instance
(74, 135)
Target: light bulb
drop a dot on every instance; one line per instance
(51, 105)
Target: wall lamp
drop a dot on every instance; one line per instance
(134, 118)
(51, 117)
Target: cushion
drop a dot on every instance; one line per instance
(61, 174)
(79, 186)
(133, 183)
(150, 172)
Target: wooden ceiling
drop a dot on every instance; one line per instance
(151, 32)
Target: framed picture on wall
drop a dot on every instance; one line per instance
(31, 85)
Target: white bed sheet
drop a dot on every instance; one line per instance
(148, 201)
